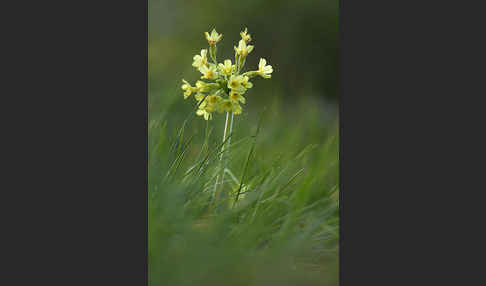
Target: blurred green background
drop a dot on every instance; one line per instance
(300, 39)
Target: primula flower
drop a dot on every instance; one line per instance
(214, 37)
(243, 49)
(264, 70)
(245, 83)
(227, 68)
(212, 103)
(244, 36)
(235, 96)
(228, 105)
(208, 72)
(200, 60)
(187, 88)
(235, 82)
(201, 86)
(227, 82)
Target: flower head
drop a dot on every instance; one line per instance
(200, 60)
(264, 70)
(227, 68)
(245, 37)
(243, 49)
(225, 83)
(214, 37)
(208, 72)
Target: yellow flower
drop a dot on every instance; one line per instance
(235, 97)
(235, 82)
(200, 60)
(212, 103)
(243, 49)
(201, 86)
(208, 72)
(187, 88)
(245, 83)
(204, 113)
(246, 37)
(227, 68)
(264, 70)
(227, 105)
(214, 37)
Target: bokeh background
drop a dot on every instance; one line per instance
(300, 39)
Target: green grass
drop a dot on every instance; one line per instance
(282, 229)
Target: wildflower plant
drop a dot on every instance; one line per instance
(223, 85)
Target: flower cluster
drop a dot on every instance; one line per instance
(226, 84)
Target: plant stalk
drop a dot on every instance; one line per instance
(229, 143)
(221, 157)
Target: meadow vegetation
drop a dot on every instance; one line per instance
(277, 221)
(274, 218)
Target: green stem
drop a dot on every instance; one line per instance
(223, 166)
(212, 53)
(229, 143)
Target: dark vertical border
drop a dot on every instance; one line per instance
(146, 143)
(393, 86)
(341, 168)
(82, 189)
